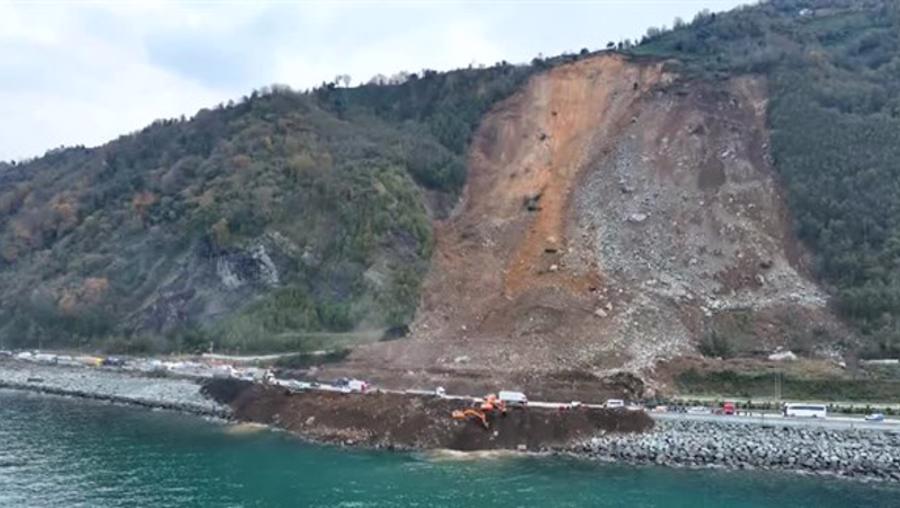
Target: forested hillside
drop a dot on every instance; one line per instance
(834, 81)
(252, 225)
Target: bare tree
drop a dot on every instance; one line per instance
(342, 79)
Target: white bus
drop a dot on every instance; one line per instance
(802, 410)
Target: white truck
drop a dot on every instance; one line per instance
(356, 385)
(614, 404)
(513, 399)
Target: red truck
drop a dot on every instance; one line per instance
(728, 408)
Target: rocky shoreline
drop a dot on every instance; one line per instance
(859, 454)
(176, 394)
(852, 453)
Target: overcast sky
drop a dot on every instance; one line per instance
(84, 72)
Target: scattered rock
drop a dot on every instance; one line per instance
(637, 218)
(532, 203)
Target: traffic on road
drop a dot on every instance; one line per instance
(792, 413)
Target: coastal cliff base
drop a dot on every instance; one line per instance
(389, 420)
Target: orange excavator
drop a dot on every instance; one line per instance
(475, 414)
(482, 410)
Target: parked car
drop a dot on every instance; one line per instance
(699, 410)
(440, 391)
(875, 417)
(112, 361)
(728, 408)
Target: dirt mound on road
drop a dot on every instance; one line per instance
(403, 421)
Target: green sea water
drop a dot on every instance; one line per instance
(58, 452)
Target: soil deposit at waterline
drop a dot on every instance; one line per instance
(385, 420)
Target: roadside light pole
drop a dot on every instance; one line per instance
(779, 385)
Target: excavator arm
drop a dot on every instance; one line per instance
(474, 414)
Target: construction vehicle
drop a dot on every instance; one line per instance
(482, 411)
(475, 414)
(490, 403)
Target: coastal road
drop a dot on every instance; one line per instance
(768, 419)
(772, 419)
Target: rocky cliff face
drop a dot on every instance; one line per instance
(615, 215)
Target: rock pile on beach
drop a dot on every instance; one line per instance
(112, 385)
(868, 454)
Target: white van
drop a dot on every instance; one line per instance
(614, 403)
(802, 410)
(355, 385)
(513, 399)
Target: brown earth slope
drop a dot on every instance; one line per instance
(614, 215)
(391, 420)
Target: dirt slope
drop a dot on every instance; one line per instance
(614, 216)
(391, 420)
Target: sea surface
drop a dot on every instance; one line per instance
(59, 452)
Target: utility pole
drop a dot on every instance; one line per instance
(779, 385)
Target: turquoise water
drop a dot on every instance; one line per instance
(60, 452)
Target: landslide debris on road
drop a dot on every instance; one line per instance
(403, 421)
(615, 215)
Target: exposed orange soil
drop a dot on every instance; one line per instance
(612, 212)
(535, 147)
(493, 288)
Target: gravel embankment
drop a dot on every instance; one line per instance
(864, 454)
(111, 385)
